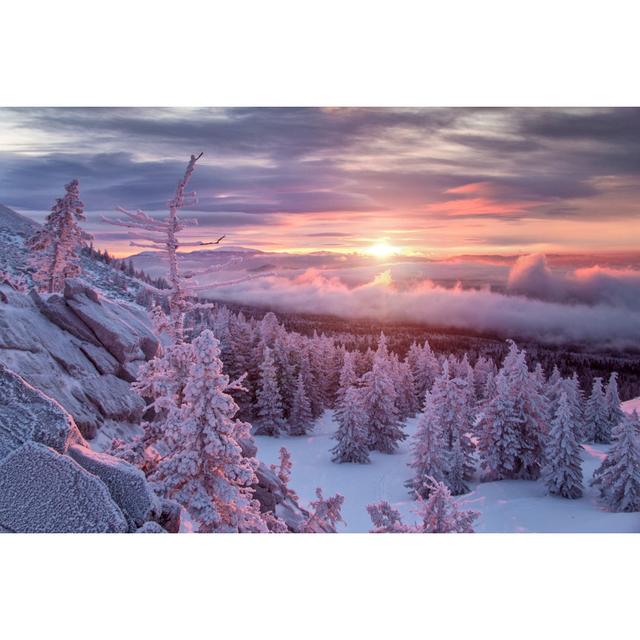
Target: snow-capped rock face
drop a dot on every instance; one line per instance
(127, 484)
(42, 491)
(50, 481)
(80, 349)
(26, 414)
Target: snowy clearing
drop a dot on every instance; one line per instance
(508, 506)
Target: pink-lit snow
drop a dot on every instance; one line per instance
(505, 506)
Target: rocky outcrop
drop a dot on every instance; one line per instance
(127, 485)
(42, 491)
(79, 348)
(27, 415)
(50, 481)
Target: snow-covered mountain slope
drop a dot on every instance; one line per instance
(508, 506)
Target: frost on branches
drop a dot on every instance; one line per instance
(269, 400)
(562, 473)
(428, 459)
(351, 435)
(162, 235)
(379, 402)
(513, 424)
(205, 470)
(438, 514)
(300, 420)
(325, 515)
(56, 245)
(618, 477)
(596, 415)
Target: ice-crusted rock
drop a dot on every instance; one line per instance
(151, 527)
(127, 484)
(114, 398)
(76, 286)
(55, 309)
(101, 359)
(169, 517)
(27, 414)
(273, 496)
(121, 328)
(42, 491)
(49, 345)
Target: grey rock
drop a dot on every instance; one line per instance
(127, 484)
(28, 414)
(42, 491)
(114, 398)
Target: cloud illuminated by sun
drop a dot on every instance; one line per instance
(382, 250)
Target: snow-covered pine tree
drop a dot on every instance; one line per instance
(300, 419)
(57, 244)
(562, 472)
(325, 515)
(348, 379)
(571, 387)
(452, 410)
(269, 401)
(428, 456)
(513, 424)
(206, 471)
(406, 401)
(351, 435)
(440, 513)
(612, 402)
(596, 415)
(385, 518)
(618, 477)
(379, 403)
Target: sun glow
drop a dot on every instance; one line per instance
(382, 250)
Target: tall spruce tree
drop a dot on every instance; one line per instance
(562, 472)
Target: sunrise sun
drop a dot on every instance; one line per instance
(382, 250)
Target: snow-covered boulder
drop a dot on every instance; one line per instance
(42, 491)
(114, 398)
(273, 496)
(121, 328)
(55, 309)
(127, 484)
(151, 527)
(26, 414)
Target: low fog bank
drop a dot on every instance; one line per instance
(594, 305)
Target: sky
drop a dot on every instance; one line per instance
(431, 182)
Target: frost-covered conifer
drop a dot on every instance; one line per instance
(300, 419)
(379, 403)
(562, 472)
(618, 477)
(513, 424)
(406, 400)
(351, 435)
(440, 513)
(452, 410)
(612, 402)
(596, 415)
(56, 245)
(348, 379)
(325, 515)
(206, 470)
(269, 401)
(385, 518)
(428, 455)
